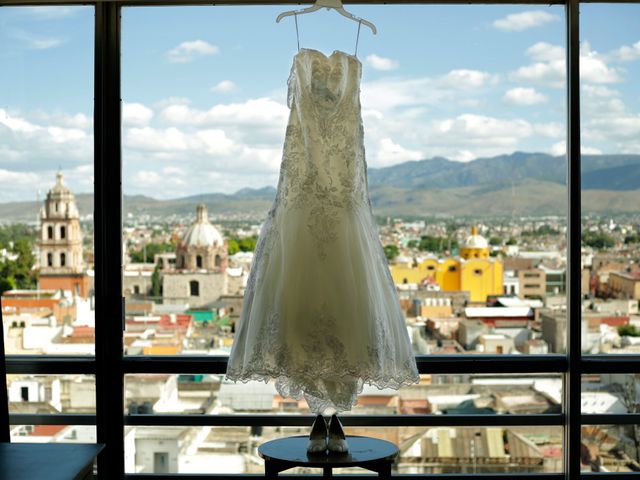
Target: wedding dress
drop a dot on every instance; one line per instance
(321, 315)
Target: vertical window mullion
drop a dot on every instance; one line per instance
(574, 294)
(108, 243)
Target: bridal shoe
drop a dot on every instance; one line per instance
(318, 436)
(337, 442)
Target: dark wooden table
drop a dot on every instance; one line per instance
(47, 461)
(365, 452)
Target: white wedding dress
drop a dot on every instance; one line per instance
(321, 315)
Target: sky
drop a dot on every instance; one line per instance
(204, 89)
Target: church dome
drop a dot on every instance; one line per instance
(475, 240)
(59, 191)
(201, 233)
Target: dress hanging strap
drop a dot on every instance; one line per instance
(358, 37)
(295, 17)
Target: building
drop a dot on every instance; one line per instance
(532, 283)
(625, 285)
(200, 273)
(473, 271)
(61, 263)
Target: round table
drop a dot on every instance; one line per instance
(365, 452)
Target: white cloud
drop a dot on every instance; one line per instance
(517, 22)
(524, 97)
(393, 93)
(225, 86)
(551, 130)
(482, 130)
(549, 68)
(387, 153)
(545, 52)
(136, 114)
(466, 79)
(627, 53)
(188, 51)
(381, 63)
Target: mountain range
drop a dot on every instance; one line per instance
(516, 184)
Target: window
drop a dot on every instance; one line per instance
(544, 89)
(49, 259)
(50, 232)
(194, 288)
(199, 261)
(63, 259)
(63, 232)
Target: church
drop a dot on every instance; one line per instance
(474, 270)
(61, 255)
(200, 273)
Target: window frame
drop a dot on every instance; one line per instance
(109, 365)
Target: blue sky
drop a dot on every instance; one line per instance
(204, 89)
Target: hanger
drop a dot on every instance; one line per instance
(335, 5)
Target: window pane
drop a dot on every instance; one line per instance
(46, 179)
(51, 393)
(610, 448)
(425, 450)
(53, 433)
(466, 156)
(435, 394)
(610, 56)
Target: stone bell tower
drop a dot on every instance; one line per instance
(61, 263)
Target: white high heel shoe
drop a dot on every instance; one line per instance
(337, 441)
(318, 436)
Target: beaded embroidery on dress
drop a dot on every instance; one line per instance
(321, 315)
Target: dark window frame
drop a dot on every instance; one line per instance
(109, 365)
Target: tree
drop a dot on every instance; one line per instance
(19, 273)
(232, 246)
(147, 252)
(511, 241)
(598, 240)
(628, 331)
(495, 241)
(412, 244)
(156, 283)
(391, 251)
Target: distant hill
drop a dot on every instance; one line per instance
(519, 183)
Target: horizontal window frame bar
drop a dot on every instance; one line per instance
(427, 364)
(52, 419)
(439, 364)
(292, 420)
(50, 364)
(610, 364)
(232, 3)
(395, 476)
(287, 420)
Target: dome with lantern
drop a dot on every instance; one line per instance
(475, 246)
(202, 247)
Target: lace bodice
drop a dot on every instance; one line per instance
(324, 156)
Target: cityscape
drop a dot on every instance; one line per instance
(466, 286)
(464, 112)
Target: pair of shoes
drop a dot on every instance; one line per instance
(323, 438)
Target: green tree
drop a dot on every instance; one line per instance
(628, 331)
(391, 251)
(495, 241)
(412, 244)
(511, 241)
(598, 240)
(146, 253)
(19, 273)
(232, 246)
